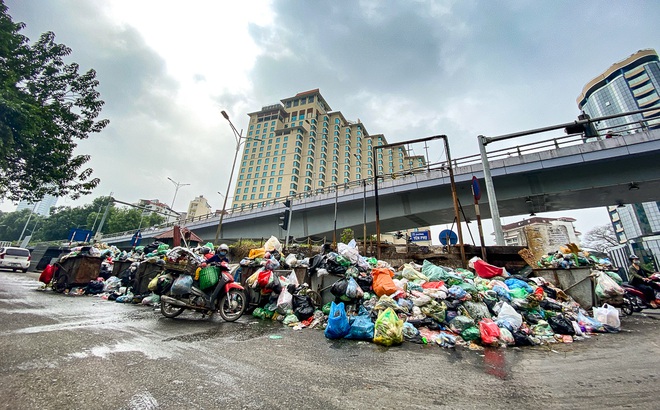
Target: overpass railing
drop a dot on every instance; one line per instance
(621, 130)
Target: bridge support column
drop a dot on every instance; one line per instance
(490, 189)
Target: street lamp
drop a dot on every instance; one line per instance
(177, 185)
(364, 209)
(238, 136)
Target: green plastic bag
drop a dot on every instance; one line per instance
(436, 311)
(163, 247)
(471, 333)
(326, 308)
(388, 330)
(518, 293)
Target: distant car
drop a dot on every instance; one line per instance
(15, 258)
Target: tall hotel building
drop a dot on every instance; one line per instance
(301, 146)
(629, 85)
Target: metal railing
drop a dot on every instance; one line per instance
(509, 152)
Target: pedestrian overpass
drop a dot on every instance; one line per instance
(559, 174)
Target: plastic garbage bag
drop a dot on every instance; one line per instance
(362, 328)
(409, 330)
(561, 325)
(434, 310)
(303, 307)
(457, 292)
(433, 272)
(410, 273)
(388, 330)
(353, 290)
(471, 333)
(284, 301)
(339, 288)
(182, 285)
(460, 323)
(514, 283)
(607, 314)
(477, 310)
(273, 244)
(606, 287)
(506, 337)
(486, 270)
(338, 325)
(509, 314)
(489, 332)
(382, 282)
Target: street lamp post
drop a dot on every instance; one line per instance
(364, 208)
(238, 136)
(176, 190)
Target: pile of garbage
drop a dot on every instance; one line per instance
(480, 306)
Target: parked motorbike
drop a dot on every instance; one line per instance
(226, 297)
(637, 298)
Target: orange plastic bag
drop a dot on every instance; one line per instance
(383, 283)
(257, 253)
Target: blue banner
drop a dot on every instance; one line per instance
(420, 236)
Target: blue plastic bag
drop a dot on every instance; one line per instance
(457, 292)
(514, 283)
(362, 328)
(338, 325)
(182, 285)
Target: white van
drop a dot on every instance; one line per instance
(15, 258)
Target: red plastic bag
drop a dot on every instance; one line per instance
(264, 278)
(486, 270)
(433, 285)
(489, 331)
(47, 274)
(383, 283)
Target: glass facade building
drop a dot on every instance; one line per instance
(629, 85)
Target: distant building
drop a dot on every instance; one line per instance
(300, 145)
(150, 206)
(628, 85)
(198, 207)
(42, 207)
(541, 235)
(638, 226)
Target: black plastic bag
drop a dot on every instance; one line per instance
(560, 325)
(522, 339)
(302, 307)
(339, 288)
(365, 282)
(548, 305)
(335, 268)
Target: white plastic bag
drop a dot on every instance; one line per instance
(291, 260)
(284, 301)
(607, 287)
(273, 244)
(509, 314)
(608, 315)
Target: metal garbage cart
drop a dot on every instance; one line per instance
(76, 271)
(576, 282)
(119, 266)
(144, 274)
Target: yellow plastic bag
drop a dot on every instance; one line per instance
(389, 328)
(153, 284)
(257, 253)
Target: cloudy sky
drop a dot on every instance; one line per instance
(407, 69)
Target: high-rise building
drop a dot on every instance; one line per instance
(42, 207)
(301, 146)
(629, 85)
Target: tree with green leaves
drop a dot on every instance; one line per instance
(46, 105)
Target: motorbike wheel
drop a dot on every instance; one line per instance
(627, 307)
(638, 304)
(169, 310)
(232, 305)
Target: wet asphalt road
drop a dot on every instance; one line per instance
(81, 352)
